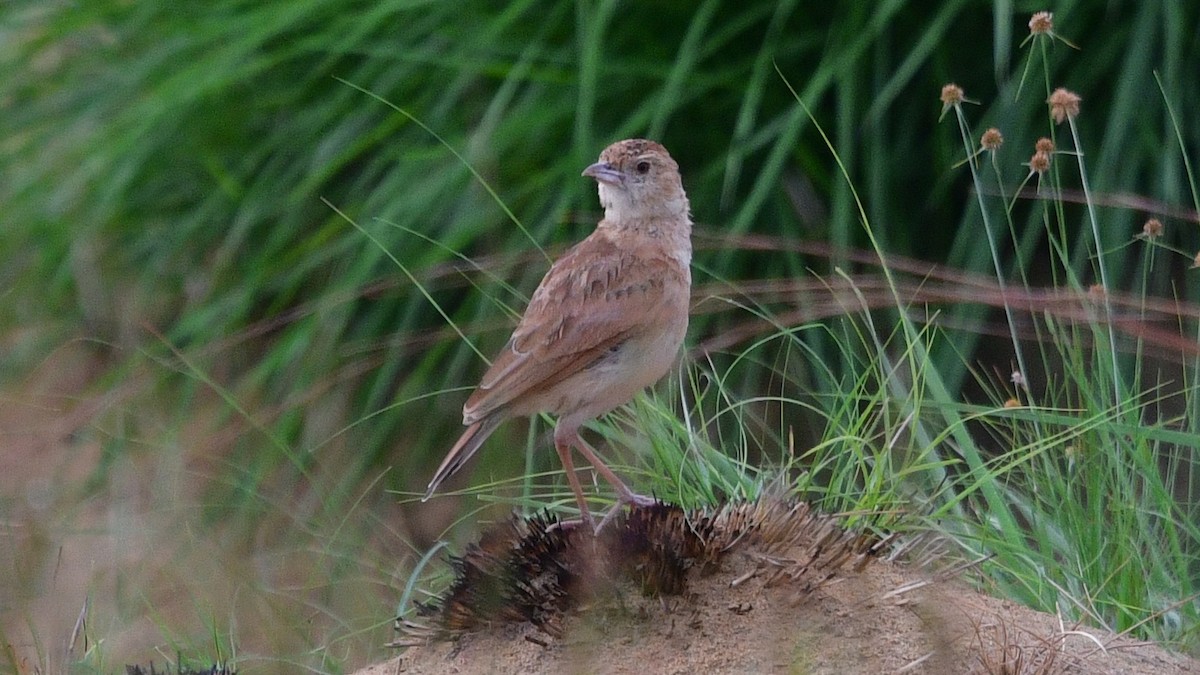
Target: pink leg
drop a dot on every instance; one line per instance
(624, 494)
(564, 454)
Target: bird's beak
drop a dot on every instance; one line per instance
(604, 172)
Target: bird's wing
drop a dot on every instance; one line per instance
(593, 298)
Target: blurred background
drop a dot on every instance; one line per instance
(250, 255)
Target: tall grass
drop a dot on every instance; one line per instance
(1095, 515)
(275, 270)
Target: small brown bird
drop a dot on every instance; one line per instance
(606, 322)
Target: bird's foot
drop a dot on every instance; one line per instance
(632, 499)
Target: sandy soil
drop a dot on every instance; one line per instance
(858, 623)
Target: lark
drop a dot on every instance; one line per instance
(606, 321)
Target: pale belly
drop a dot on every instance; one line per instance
(618, 376)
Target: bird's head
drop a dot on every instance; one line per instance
(637, 180)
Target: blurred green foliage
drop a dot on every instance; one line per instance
(168, 175)
(165, 166)
(164, 171)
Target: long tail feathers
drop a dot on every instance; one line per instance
(463, 450)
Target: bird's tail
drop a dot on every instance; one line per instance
(463, 450)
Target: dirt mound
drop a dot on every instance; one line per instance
(763, 608)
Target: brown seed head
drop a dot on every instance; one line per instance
(1012, 403)
(952, 95)
(1044, 145)
(992, 139)
(1040, 162)
(1153, 228)
(1064, 105)
(1042, 23)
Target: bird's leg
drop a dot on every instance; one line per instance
(564, 454)
(624, 494)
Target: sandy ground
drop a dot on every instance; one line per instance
(110, 557)
(858, 623)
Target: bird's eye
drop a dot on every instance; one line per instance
(643, 166)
